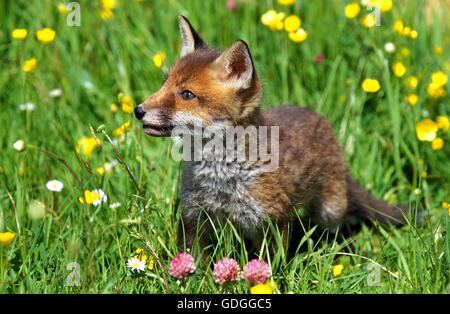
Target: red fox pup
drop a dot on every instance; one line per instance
(221, 91)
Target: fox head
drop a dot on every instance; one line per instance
(204, 86)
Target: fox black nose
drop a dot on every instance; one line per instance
(139, 112)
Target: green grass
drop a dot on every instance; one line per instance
(96, 61)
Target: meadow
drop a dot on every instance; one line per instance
(66, 100)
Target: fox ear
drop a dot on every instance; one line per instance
(238, 64)
(191, 40)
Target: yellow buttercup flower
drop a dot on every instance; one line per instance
(406, 31)
(413, 34)
(411, 82)
(426, 130)
(439, 78)
(435, 90)
(370, 85)
(6, 238)
(412, 99)
(150, 263)
(398, 26)
(292, 23)
(19, 33)
(268, 17)
(438, 50)
(437, 143)
(399, 69)
(337, 270)
(443, 122)
(62, 9)
(144, 257)
(107, 167)
(298, 36)
(352, 10)
(369, 20)
(159, 58)
(446, 205)
(286, 2)
(100, 170)
(106, 14)
(29, 65)
(45, 35)
(261, 289)
(90, 197)
(109, 4)
(127, 104)
(126, 126)
(123, 129)
(384, 5)
(113, 108)
(273, 19)
(86, 145)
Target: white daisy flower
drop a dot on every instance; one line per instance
(110, 165)
(55, 93)
(136, 264)
(54, 186)
(19, 145)
(102, 197)
(114, 205)
(29, 106)
(389, 47)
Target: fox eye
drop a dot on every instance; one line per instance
(187, 95)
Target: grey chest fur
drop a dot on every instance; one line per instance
(221, 189)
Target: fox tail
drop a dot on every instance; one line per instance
(365, 207)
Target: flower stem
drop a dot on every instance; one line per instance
(122, 161)
(14, 206)
(157, 259)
